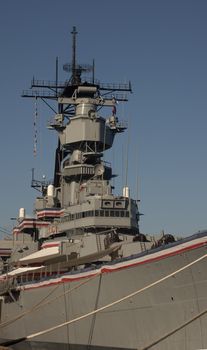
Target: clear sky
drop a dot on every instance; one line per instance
(161, 46)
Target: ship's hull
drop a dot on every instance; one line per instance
(168, 315)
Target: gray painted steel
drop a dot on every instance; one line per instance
(132, 324)
(93, 230)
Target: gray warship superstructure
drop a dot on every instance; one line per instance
(79, 275)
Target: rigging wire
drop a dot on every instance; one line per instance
(34, 308)
(42, 302)
(137, 180)
(127, 154)
(126, 297)
(166, 335)
(93, 321)
(31, 336)
(5, 231)
(35, 128)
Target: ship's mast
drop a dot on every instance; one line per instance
(82, 181)
(74, 77)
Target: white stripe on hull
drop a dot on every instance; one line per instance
(133, 324)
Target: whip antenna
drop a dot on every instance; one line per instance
(35, 128)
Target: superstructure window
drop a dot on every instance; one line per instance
(96, 213)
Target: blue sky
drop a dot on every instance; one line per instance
(160, 46)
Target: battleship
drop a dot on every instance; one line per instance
(79, 274)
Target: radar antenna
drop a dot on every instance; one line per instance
(75, 68)
(55, 89)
